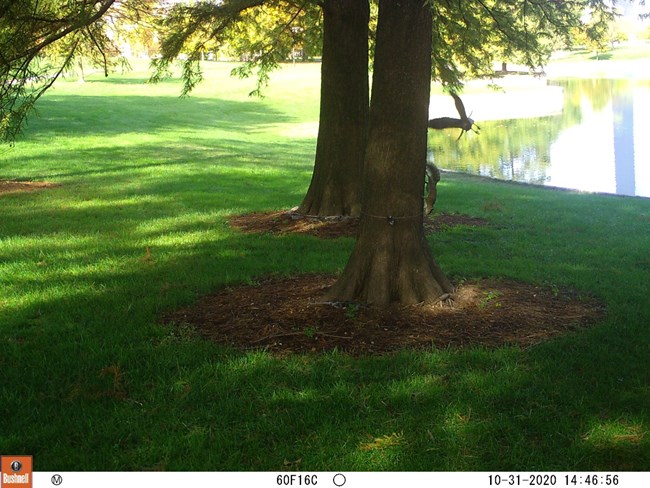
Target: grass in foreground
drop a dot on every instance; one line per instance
(92, 380)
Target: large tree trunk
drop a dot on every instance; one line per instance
(392, 261)
(335, 187)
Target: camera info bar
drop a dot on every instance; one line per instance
(338, 479)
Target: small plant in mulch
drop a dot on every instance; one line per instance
(490, 298)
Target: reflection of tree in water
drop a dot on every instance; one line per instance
(519, 149)
(516, 149)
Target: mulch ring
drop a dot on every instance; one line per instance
(285, 222)
(9, 186)
(289, 315)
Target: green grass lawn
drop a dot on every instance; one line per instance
(618, 53)
(92, 381)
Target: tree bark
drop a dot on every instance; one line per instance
(392, 262)
(335, 187)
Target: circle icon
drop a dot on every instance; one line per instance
(16, 466)
(57, 479)
(339, 479)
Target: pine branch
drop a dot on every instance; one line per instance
(81, 22)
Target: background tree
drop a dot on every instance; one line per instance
(190, 29)
(335, 188)
(286, 28)
(132, 28)
(597, 33)
(263, 33)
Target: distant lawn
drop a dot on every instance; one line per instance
(138, 227)
(617, 53)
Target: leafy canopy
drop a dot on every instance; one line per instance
(468, 35)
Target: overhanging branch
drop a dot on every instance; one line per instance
(441, 123)
(79, 24)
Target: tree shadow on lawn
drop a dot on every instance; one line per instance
(455, 410)
(114, 115)
(436, 409)
(515, 313)
(578, 402)
(219, 162)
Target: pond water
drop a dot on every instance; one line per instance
(589, 135)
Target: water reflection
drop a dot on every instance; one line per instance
(599, 142)
(623, 124)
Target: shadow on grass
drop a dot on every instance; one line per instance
(104, 386)
(132, 80)
(190, 156)
(114, 115)
(182, 404)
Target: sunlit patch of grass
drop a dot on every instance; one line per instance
(620, 444)
(616, 433)
(383, 442)
(618, 53)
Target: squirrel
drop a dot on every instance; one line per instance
(433, 177)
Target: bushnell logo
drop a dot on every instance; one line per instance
(16, 472)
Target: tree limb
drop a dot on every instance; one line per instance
(447, 123)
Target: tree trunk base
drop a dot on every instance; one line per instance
(400, 269)
(323, 206)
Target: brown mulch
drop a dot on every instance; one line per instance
(285, 222)
(289, 315)
(9, 186)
